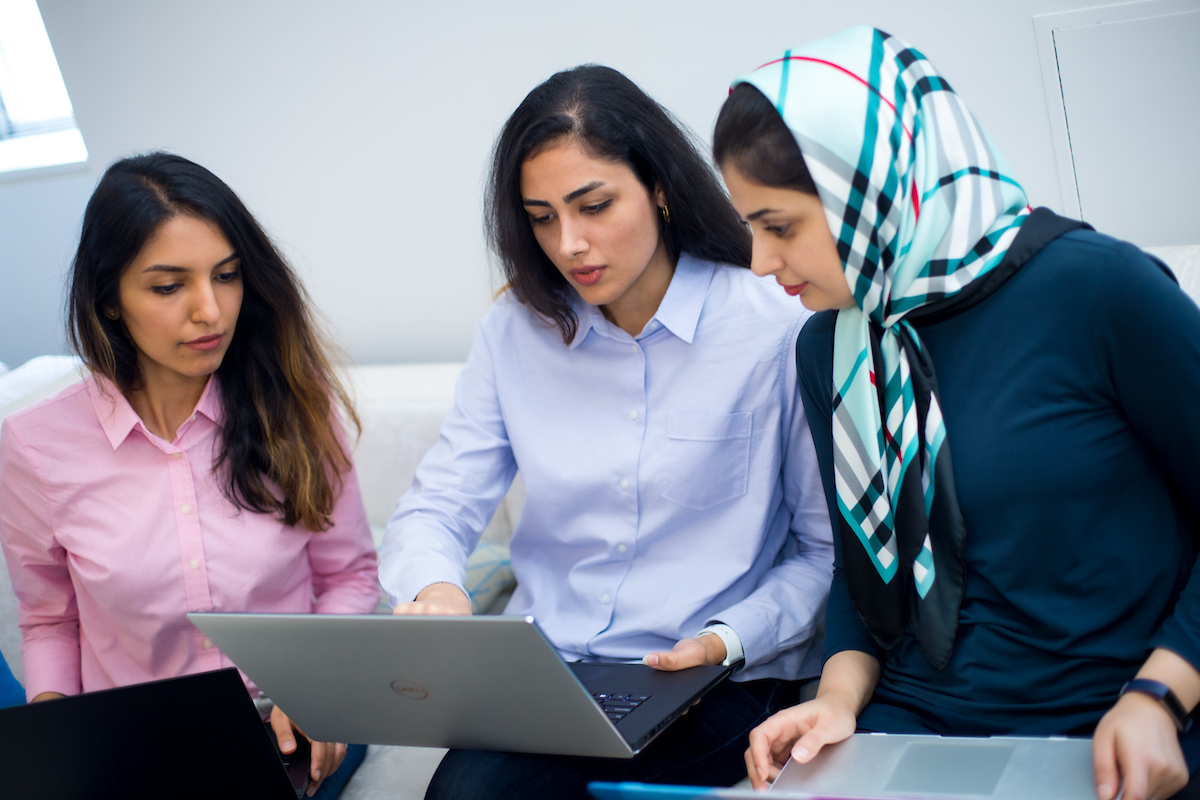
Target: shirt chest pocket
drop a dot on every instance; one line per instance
(707, 458)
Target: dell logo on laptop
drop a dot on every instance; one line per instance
(409, 689)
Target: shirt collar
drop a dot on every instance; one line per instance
(118, 419)
(679, 311)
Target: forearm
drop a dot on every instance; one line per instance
(351, 588)
(1170, 668)
(849, 679)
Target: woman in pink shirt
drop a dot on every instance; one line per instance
(195, 469)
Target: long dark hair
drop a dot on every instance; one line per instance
(752, 136)
(613, 119)
(278, 389)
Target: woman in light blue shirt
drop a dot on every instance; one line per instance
(643, 383)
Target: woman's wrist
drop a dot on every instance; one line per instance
(1172, 670)
(848, 679)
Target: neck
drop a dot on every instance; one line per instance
(638, 304)
(166, 400)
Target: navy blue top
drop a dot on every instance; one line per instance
(1071, 398)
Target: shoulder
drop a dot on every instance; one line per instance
(508, 317)
(740, 301)
(814, 357)
(58, 419)
(1084, 257)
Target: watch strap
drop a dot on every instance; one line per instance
(1163, 694)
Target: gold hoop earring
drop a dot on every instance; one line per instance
(666, 213)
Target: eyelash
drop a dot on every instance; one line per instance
(169, 288)
(595, 208)
(779, 230)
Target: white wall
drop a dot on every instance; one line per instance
(359, 131)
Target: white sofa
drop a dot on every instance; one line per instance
(401, 407)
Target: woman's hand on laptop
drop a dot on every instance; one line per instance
(444, 599)
(690, 652)
(799, 732)
(1136, 745)
(325, 756)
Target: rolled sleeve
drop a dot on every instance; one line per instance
(37, 564)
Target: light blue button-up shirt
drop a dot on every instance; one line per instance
(670, 477)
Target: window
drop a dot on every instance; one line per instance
(37, 123)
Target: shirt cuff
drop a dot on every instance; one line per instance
(51, 667)
(733, 645)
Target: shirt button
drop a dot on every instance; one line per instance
(185, 508)
(207, 644)
(634, 414)
(635, 347)
(621, 548)
(604, 598)
(177, 455)
(624, 484)
(194, 564)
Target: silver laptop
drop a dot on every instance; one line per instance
(878, 766)
(481, 683)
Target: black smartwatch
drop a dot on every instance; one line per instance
(1163, 694)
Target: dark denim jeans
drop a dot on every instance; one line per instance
(704, 747)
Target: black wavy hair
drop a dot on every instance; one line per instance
(612, 119)
(752, 136)
(279, 450)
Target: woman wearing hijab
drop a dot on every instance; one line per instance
(1002, 402)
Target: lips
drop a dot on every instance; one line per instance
(587, 276)
(205, 342)
(794, 289)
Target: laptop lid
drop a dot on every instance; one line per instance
(487, 683)
(198, 736)
(879, 766)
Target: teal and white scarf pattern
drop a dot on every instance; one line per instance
(921, 206)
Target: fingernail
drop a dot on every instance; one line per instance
(800, 753)
(287, 747)
(1105, 791)
(651, 660)
(316, 774)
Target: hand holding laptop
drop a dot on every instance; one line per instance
(801, 731)
(691, 652)
(324, 757)
(438, 599)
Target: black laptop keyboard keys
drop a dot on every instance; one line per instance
(617, 706)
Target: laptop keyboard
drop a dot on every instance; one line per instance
(618, 706)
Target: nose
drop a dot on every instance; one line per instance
(205, 309)
(572, 238)
(764, 260)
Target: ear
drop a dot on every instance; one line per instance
(660, 197)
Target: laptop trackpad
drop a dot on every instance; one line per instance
(955, 769)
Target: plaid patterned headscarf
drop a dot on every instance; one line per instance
(921, 207)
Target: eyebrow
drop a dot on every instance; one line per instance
(169, 268)
(570, 197)
(760, 213)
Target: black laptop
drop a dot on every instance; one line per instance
(193, 737)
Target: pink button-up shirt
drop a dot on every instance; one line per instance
(112, 535)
